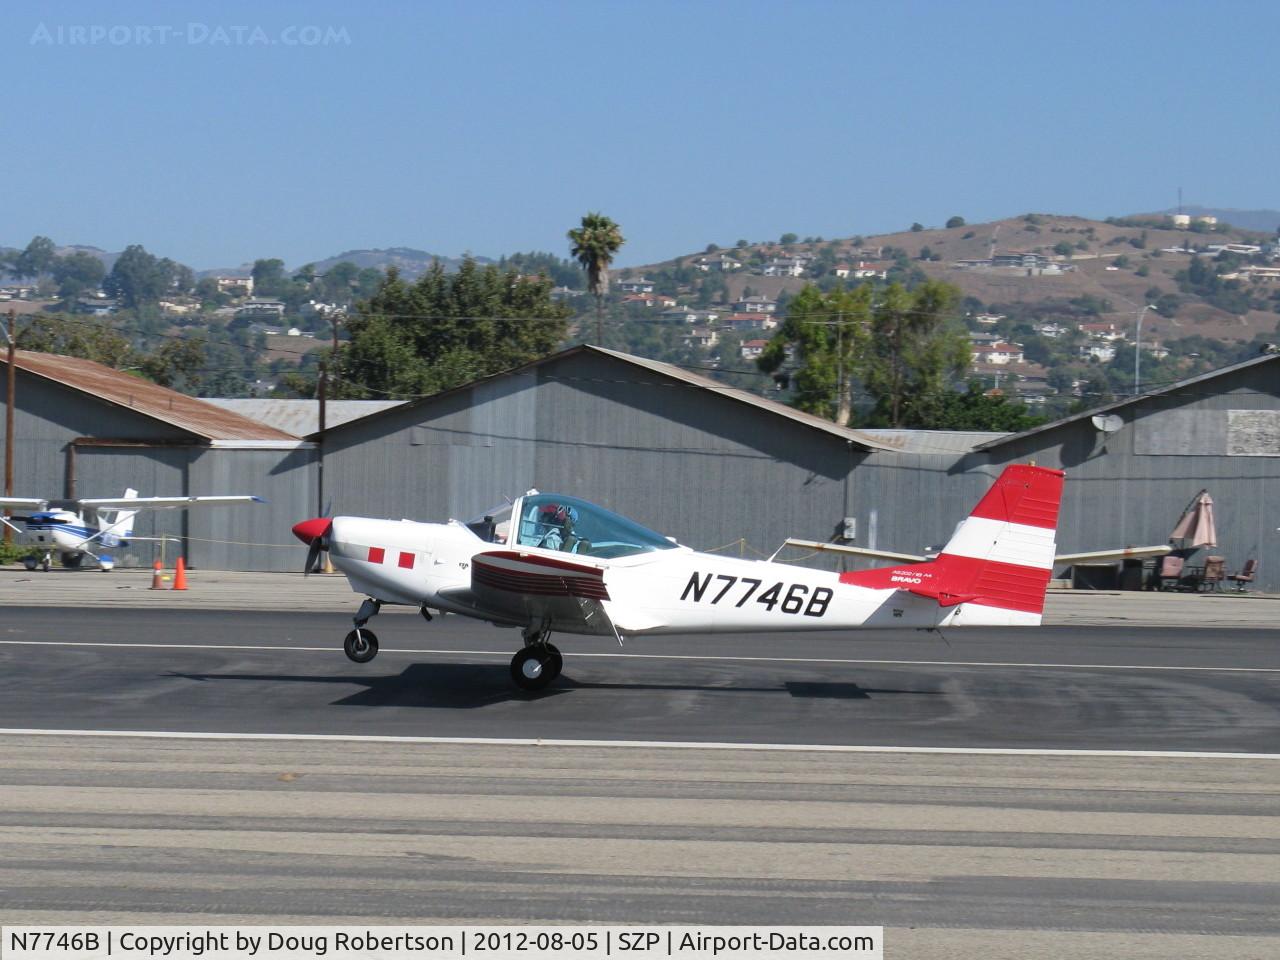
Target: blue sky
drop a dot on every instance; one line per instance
(492, 127)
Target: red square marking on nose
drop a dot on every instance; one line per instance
(406, 560)
(376, 554)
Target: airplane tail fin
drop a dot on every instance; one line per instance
(1000, 558)
(120, 522)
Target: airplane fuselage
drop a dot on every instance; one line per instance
(680, 590)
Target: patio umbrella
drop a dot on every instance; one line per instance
(1196, 528)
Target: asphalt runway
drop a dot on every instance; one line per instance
(261, 672)
(822, 800)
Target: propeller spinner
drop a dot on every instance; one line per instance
(314, 533)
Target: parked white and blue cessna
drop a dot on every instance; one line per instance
(75, 529)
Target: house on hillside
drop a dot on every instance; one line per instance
(1029, 261)
(261, 310)
(702, 337)
(783, 267)
(636, 285)
(235, 286)
(1102, 331)
(96, 306)
(752, 349)
(754, 305)
(721, 262)
(999, 353)
(1101, 351)
(861, 270)
(749, 321)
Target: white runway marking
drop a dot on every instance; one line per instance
(643, 744)
(506, 654)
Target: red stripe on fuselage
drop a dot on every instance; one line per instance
(541, 561)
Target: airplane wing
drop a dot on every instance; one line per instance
(527, 586)
(1111, 556)
(22, 503)
(1062, 559)
(164, 503)
(822, 545)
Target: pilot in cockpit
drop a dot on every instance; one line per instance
(557, 520)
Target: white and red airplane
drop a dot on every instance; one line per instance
(560, 563)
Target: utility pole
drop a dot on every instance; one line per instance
(8, 420)
(320, 394)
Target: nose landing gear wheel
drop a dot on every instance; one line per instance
(534, 667)
(360, 646)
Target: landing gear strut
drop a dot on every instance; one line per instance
(534, 667)
(361, 645)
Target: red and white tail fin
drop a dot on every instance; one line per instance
(1000, 558)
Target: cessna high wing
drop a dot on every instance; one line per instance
(562, 564)
(75, 529)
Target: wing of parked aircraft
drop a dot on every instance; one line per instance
(22, 503)
(1061, 559)
(163, 503)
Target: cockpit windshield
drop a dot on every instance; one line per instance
(556, 522)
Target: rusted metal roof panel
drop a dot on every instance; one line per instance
(203, 420)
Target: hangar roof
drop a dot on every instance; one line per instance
(771, 407)
(1130, 401)
(196, 417)
(300, 417)
(939, 442)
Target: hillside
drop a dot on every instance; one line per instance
(1121, 267)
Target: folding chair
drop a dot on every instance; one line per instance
(1246, 575)
(1170, 572)
(1215, 570)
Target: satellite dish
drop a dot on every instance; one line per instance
(1109, 423)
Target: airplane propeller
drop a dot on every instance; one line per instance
(314, 533)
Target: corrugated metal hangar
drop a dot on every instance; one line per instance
(714, 467)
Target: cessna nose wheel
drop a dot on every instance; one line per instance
(534, 667)
(361, 645)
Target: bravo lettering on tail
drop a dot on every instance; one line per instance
(557, 563)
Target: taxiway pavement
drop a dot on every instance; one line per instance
(165, 760)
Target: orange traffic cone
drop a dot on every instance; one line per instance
(180, 575)
(157, 578)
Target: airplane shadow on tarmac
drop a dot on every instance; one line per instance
(465, 685)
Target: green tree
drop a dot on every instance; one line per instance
(447, 329)
(975, 410)
(50, 333)
(77, 273)
(268, 277)
(826, 334)
(913, 353)
(955, 222)
(138, 278)
(788, 238)
(594, 244)
(917, 227)
(178, 365)
(209, 295)
(36, 260)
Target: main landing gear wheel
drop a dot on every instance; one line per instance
(361, 645)
(534, 667)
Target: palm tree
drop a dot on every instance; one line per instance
(594, 244)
